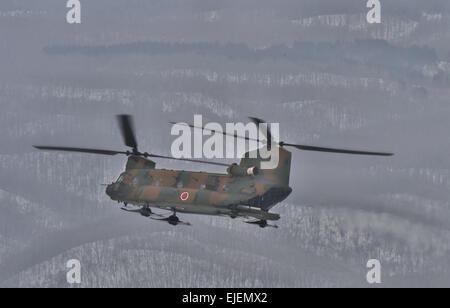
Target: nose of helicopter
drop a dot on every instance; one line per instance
(109, 190)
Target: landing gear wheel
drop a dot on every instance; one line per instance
(146, 212)
(173, 220)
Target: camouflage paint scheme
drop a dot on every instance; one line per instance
(205, 193)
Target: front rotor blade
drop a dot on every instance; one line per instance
(333, 150)
(81, 150)
(187, 159)
(127, 129)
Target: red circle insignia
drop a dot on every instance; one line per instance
(184, 196)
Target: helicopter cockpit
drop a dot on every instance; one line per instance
(121, 187)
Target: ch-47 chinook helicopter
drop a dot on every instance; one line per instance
(245, 190)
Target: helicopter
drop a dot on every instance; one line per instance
(245, 190)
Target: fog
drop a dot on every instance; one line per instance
(316, 67)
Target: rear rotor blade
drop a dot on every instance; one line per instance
(81, 150)
(334, 150)
(186, 159)
(268, 133)
(215, 131)
(127, 129)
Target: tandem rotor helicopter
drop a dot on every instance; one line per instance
(245, 191)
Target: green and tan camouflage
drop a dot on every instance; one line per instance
(244, 191)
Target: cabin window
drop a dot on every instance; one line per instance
(179, 184)
(182, 179)
(212, 183)
(145, 178)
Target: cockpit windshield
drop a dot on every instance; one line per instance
(120, 179)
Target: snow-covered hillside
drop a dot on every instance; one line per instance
(320, 70)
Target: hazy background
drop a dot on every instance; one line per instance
(317, 67)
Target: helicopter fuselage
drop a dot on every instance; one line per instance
(198, 192)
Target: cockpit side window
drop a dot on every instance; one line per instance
(120, 179)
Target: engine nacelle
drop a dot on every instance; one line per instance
(236, 170)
